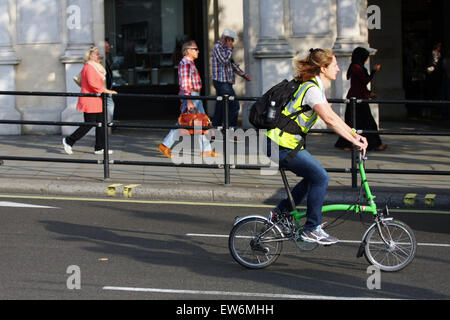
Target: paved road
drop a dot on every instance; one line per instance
(159, 250)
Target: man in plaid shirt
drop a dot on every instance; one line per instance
(190, 85)
(223, 70)
(189, 78)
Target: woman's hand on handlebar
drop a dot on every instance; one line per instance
(361, 143)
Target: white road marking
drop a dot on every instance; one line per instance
(207, 235)
(237, 294)
(22, 205)
(425, 244)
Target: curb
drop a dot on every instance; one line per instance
(434, 199)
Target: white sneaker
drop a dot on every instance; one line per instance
(67, 147)
(101, 151)
(318, 236)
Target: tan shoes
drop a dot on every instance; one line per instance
(165, 151)
(210, 154)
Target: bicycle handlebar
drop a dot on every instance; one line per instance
(360, 156)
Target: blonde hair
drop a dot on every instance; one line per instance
(309, 67)
(89, 52)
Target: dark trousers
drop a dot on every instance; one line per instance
(223, 88)
(364, 121)
(83, 130)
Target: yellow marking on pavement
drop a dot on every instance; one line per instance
(127, 190)
(111, 189)
(429, 200)
(410, 199)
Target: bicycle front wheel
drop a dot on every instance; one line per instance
(255, 243)
(399, 250)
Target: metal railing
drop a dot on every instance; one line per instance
(227, 166)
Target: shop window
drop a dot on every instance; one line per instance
(145, 37)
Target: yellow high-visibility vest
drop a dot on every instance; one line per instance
(305, 122)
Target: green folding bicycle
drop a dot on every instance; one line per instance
(255, 242)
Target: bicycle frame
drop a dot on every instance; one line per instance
(356, 208)
(387, 243)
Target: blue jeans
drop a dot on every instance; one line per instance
(110, 107)
(314, 184)
(174, 134)
(223, 88)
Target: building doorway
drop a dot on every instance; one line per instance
(423, 28)
(145, 37)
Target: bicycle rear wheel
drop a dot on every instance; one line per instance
(397, 253)
(255, 243)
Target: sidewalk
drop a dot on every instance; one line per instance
(207, 185)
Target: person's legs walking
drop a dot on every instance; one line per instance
(81, 131)
(233, 107)
(222, 89)
(198, 104)
(69, 141)
(203, 142)
(218, 112)
(110, 105)
(99, 133)
(172, 137)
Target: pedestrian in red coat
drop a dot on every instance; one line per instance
(93, 77)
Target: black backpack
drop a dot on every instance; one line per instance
(276, 97)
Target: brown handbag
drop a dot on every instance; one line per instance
(194, 119)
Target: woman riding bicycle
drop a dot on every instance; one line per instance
(315, 73)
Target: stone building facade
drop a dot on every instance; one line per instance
(42, 43)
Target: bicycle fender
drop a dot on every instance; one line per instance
(259, 217)
(360, 251)
(238, 219)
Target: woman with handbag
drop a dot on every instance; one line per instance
(190, 85)
(92, 81)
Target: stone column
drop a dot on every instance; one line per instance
(8, 60)
(272, 49)
(348, 37)
(79, 30)
(273, 55)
